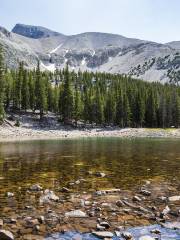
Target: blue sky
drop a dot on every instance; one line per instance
(157, 20)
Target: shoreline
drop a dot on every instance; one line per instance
(19, 134)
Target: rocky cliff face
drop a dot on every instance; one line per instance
(33, 31)
(91, 51)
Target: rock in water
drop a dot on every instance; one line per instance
(103, 234)
(166, 211)
(171, 225)
(174, 198)
(48, 196)
(6, 235)
(76, 214)
(9, 194)
(36, 188)
(1, 223)
(146, 238)
(127, 235)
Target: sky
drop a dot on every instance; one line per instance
(155, 20)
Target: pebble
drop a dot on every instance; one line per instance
(120, 203)
(104, 224)
(145, 192)
(100, 174)
(155, 231)
(100, 228)
(136, 199)
(65, 190)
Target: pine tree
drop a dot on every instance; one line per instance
(32, 98)
(77, 103)
(18, 87)
(25, 91)
(66, 108)
(40, 92)
(2, 83)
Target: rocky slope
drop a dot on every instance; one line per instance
(91, 51)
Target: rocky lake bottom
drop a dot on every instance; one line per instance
(90, 189)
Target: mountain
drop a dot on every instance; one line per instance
(91, 51)
(33, 31)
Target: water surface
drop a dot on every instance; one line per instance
(51, 163)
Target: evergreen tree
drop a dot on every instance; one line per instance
(67, 98)
(25, 91)
(2, 112)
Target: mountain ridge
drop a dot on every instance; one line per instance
(91, 51)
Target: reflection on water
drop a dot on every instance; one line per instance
(125, 163)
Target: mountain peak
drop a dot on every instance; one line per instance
(5, 31)
(35, 32)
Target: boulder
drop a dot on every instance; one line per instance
(103, 234)
(171, 225)
(9, 194)
(48, 196)
(1, 223)
(76, 214)
(6, 235)
(174, 198)
(146, 238)
(127, 235)
(36, 188)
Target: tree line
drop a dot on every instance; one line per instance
(89, 98)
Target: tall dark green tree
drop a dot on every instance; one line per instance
(66, 99)
(2, 84)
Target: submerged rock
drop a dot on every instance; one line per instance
(174, 198)
(1, 223)
(76, 214)
(65, 190)
(171, 225)
(103, 234)
(127, 235)
(6, 235)
(145, 192)
(166, 211)
(10, 194)
(146, 238)
(36, 188)
(48, 196)
(100, 174)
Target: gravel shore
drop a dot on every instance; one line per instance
(23, 133)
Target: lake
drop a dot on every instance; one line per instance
(125, 162)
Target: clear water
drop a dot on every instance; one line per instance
(166, 234)
(125, 162)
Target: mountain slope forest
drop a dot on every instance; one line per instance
(95, 98)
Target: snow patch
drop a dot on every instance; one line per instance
(51, 67)
(55, 49)
(83, 62)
